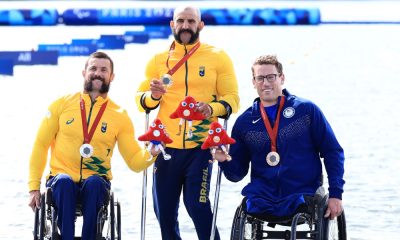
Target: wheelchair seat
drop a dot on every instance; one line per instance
(45, 224)
(309, 218)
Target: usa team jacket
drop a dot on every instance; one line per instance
(208, 76)
(61, 131)
(304, 136)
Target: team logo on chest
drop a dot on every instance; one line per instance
(69, 121)
(104, 127)
(288, 112)
(202, 71)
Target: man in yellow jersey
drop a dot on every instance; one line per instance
(82, 130)
(187, 68)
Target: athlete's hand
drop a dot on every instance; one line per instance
(218, 154)
(34, 199)
(154, 151)
(204, 109)
(334, 209)
(157, 89)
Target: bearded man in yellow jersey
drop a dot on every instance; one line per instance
(188, 68)
(82, 130)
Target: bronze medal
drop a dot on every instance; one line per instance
(273, 159)
(273, 156)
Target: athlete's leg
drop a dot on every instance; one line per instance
(64, 195)
(196, 191)
(167, 187)
(93, 193)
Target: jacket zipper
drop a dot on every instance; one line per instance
(186, 93)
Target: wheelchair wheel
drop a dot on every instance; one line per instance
(42, 217)
(39, 223)
(36, 225)
(101, 217)
(112, 216)
(335, 229)
(115, 218)
(241, 230)
(118, 221)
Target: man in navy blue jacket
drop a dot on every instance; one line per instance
(284, 137)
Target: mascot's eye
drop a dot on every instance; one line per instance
(184, 104)
(191, 105)
(210, 132)
(161, 126)
(153, 125)
(218, 130)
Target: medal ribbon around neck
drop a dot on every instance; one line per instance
(88, 136)
(272, 132)
(184, 59)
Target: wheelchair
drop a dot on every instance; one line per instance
(108, 219)
(311, 222)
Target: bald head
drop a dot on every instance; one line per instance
(187, 9)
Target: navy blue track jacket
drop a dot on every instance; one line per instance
(304, 137)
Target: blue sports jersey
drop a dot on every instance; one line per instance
(304, 137)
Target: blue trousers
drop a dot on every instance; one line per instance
(188, 171)
(91, 193)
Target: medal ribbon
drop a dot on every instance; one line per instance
(184, 59)
(272, 132)
(88, 136)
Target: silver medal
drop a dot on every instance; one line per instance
(86, 150)
(166, 80)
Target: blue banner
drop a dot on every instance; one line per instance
(160, 16)
(80, 17)
(69, 49)
(6, 67)
(26, 17)
(136, 37)
(158, 32)
(31, 57)
(265, 16)
(122, 16)
(103, 43)
(223, 16)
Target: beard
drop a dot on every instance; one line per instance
(193, 38)
(89, 85)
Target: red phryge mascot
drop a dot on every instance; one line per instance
(156, 135)
(185, 111)
(217, 137)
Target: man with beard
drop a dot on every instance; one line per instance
(81, 130)
(204, 72)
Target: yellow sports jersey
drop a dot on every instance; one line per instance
(61, 130)
(208, 76)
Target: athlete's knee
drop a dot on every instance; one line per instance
(95, 189)
(62, 181)
(94, 181)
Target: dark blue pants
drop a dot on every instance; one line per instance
(91, 193)
(188, 171)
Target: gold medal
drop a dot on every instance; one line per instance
(166, 80)
(273, 159)
(86, 150)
